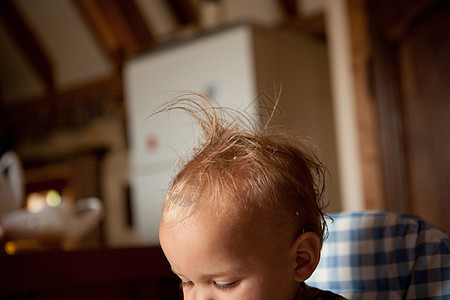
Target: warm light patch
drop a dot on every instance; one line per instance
(39, 200)
(10, 248)
(53, 198)
(36, 202)
(14, 247)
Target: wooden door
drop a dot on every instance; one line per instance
(411, 55)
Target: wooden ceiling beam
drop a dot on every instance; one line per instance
(24, 37)
(289, 7)
(101, 30)
(99, 25)
(118, 26)
(135, 23)
(184, 11)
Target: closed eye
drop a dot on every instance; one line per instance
(226, 286)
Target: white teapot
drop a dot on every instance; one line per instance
(62, 224)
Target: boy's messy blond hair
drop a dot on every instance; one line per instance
(244, 168)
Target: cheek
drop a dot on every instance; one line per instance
(252, 289)
(258, 288)
(277, 282)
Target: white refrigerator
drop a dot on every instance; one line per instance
(242, 67)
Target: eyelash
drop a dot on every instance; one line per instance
(225, 286)
(222, 287)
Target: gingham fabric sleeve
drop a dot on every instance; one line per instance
(384, 255)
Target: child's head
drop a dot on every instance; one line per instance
(243, 218)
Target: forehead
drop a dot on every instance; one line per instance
(226, 221)
(201, 247)
(209, 228)
(237, 239)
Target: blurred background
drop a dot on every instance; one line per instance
(371, 85)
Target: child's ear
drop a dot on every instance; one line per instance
(306, 249)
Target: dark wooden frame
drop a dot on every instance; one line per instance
(385, 36)
(133, 273)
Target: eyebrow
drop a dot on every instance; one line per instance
(213, 275)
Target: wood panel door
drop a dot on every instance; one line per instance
(411, 55)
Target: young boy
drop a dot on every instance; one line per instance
(243, 218)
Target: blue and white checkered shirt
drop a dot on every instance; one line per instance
(384, 255)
